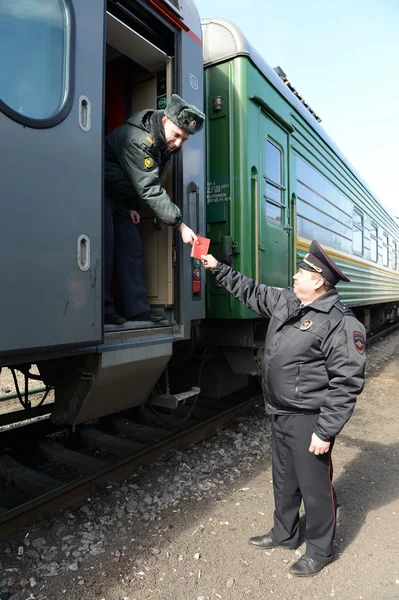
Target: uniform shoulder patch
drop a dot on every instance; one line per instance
(148, 163)
(359, 342)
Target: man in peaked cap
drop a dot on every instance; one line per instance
(312, 373)
(317, 261)
(137, 154)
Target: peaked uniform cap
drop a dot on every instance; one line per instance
(184, 115)
(318, 261)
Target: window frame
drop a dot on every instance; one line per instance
(375, 238)
(385, 249)
(66, 107)
(361, 228)
(395, 255)
(278, 186)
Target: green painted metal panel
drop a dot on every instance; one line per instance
(324, 201)
(236, 170)
(229, 214)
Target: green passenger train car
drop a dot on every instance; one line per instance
(275, 181)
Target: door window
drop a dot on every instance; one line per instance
(35, 46)
(273, 189)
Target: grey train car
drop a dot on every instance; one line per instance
(75, 68)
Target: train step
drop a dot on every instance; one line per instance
(174, 400)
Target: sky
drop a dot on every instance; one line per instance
(342, 56)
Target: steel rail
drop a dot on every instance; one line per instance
(73, 492)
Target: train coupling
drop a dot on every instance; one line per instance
(174, 400)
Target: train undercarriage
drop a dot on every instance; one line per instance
(219, 358)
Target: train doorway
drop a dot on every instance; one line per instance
(139, 75)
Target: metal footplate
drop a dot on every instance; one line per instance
(174, 400)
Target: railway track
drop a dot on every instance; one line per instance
(381, 334)
(44, 469)
(57, 468)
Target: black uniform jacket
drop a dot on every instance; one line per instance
(134, 165)
(314, 356)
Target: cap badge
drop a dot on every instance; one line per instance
(312, 265)
(306, 325)
(193, 124)
(148, 162)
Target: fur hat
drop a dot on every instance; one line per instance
(184, 115)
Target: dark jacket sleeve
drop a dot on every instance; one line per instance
(260, 298)
(147, 184)
(344, 351)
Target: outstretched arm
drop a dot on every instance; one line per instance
(260, 298)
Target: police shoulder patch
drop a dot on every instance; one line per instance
(359, 342)
(148, 162)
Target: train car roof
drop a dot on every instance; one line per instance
(223, 41)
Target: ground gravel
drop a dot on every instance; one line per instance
(178, 529)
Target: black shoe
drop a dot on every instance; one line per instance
(147, 316)
(306, 566)
(266, 542)
(114, 319)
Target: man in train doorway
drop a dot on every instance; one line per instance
(312, 373)
(137, 154)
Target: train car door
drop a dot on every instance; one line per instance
(51, 132)
(274, 227)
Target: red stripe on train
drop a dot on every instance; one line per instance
(172, 18)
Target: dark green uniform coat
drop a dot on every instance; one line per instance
(134, 165)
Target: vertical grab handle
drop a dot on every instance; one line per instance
(255, 208)
(83, 253)
(193, 188)
(84, 113)
(293, 232)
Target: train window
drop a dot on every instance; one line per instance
(385, 249)
(395, 256)
(273, 184)
(35, 79)
(323, 211)
(358, 232)
(373, 242)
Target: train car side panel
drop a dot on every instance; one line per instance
(192, 165)
(51, 130)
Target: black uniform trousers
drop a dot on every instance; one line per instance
(299, 474)
(123, 251)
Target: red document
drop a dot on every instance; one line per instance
(197, 250)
